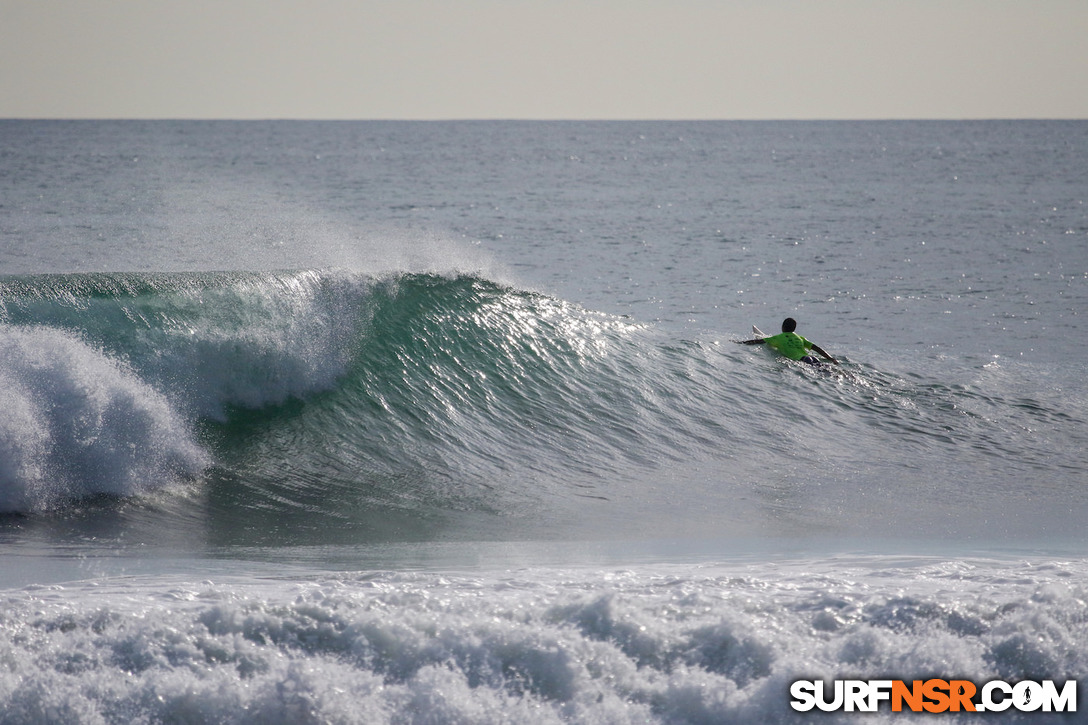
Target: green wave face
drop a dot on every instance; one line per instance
(326, 406)
(399, 391)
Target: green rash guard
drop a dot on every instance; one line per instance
(789, 344)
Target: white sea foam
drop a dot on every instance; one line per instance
(650, 644)
(256, 341)
(78, 423)
(917, 253)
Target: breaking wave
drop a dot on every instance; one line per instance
(359, 406)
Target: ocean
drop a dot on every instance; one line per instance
(445, 422)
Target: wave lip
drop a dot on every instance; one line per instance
(79, 424)
(207, 340)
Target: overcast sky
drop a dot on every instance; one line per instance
(544, 59)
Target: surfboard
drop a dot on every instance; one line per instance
(758, 331)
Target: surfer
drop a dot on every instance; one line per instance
(790, 344)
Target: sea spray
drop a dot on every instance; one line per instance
(206, 340)
(420, 412)
(334, 402)
(655, 644)
(78, 423)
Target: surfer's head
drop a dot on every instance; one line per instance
(789, 324)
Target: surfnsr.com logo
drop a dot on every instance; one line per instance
(934, 695)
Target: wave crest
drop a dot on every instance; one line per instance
(79, 424)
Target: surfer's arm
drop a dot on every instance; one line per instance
(818, 349)
(757, 341)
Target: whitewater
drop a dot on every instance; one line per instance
(445, 422)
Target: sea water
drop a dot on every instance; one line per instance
(444, 422)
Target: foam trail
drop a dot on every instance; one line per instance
(79, 424)
(664, 644)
